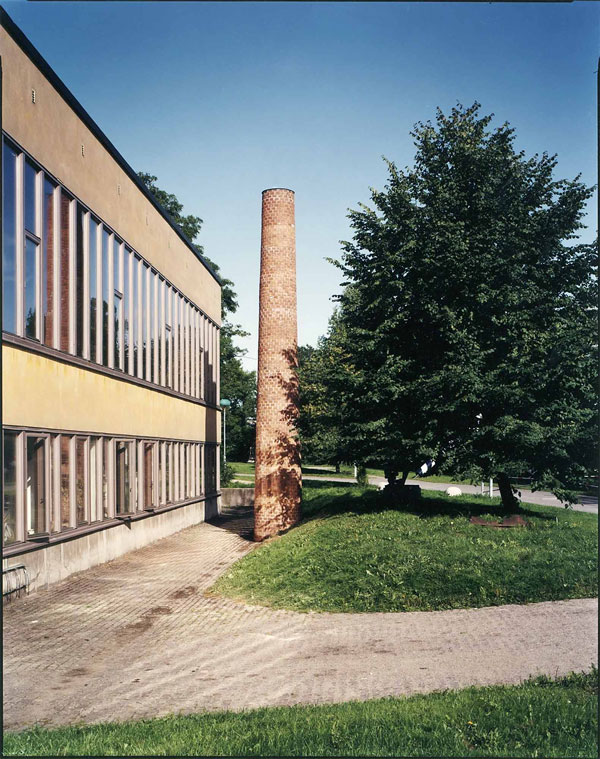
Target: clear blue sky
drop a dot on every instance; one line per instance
(223, 100)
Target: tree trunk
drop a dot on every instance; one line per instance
(390, 474)
(509, 501)
(337, 467)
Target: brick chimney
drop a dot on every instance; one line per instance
(278, 479)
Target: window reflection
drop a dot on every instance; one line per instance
(30, 287)
(93, 288)
(105, 294)
(35, 485)
(30, 197)
(48, 264)
(9, 243)
(9, 488)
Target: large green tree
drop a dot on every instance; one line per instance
(237, 384)
(321, 415)
(469, 313)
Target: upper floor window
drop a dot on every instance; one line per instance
(69, 282)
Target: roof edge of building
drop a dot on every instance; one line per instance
(38, 60)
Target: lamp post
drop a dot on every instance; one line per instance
(224, 403)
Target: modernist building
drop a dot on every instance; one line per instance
(110, 341)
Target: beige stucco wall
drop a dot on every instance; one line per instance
(40, 392)
(52, 133)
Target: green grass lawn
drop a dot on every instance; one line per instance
(351, 553)
(539, 718)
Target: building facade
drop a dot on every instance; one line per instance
(110, 341)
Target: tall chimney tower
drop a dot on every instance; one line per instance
(278, 479)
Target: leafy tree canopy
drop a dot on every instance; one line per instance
(469, 313)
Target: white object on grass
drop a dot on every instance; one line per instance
(453, 490)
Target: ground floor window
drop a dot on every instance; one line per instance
(56, 482)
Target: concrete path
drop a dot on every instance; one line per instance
(138, 638)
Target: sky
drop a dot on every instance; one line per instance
(223, 100)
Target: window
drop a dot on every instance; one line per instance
(117, 306)
(65, 481)
(9, 487)
(65, 273)
(161, 332)
(70, 283)
(93, 288)
(106, 468)
(81, 483)
(79, 283)
(175, 339)
(135, 319)
(145, 322)
(149, 476)
(48, 263)
(123, 478)
(126, 300)
(30, 287)
(211, 468)
(106, 285)
(153, 376)
(9, 239)
(95, 479)
(35, 484)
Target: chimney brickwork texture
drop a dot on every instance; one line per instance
(278, 480)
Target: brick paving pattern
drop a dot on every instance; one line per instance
(278, 477)
(137, 637)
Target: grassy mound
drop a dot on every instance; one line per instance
(353, 554)
(540, 717)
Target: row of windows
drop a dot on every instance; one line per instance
(71, 283)
(53, 483)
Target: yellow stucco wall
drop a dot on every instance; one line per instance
(42, 393)
(53, 134)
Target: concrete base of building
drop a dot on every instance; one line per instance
(237, 496)
(55, 562)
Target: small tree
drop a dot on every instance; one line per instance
(469, 313)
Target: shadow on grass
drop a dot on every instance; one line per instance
(357, 500)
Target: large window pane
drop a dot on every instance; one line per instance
(9, 488)
(161, 330)
(65, 482)
(126, 296)
(9, 242)
(48, 264)
(106, 284)
(152, 338)
(35, 485)
(94, 468)
(79, 282)
(93, 291)
(149, 484)
(80, 480)
(211, 468)
(30, 287)
(117, 304)
(145, 352)
(106, 454)
(175, 339)
(65, 279)
(135, 319)
(30, 197)
(124, 500)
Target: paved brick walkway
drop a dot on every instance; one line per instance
(137, 638)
